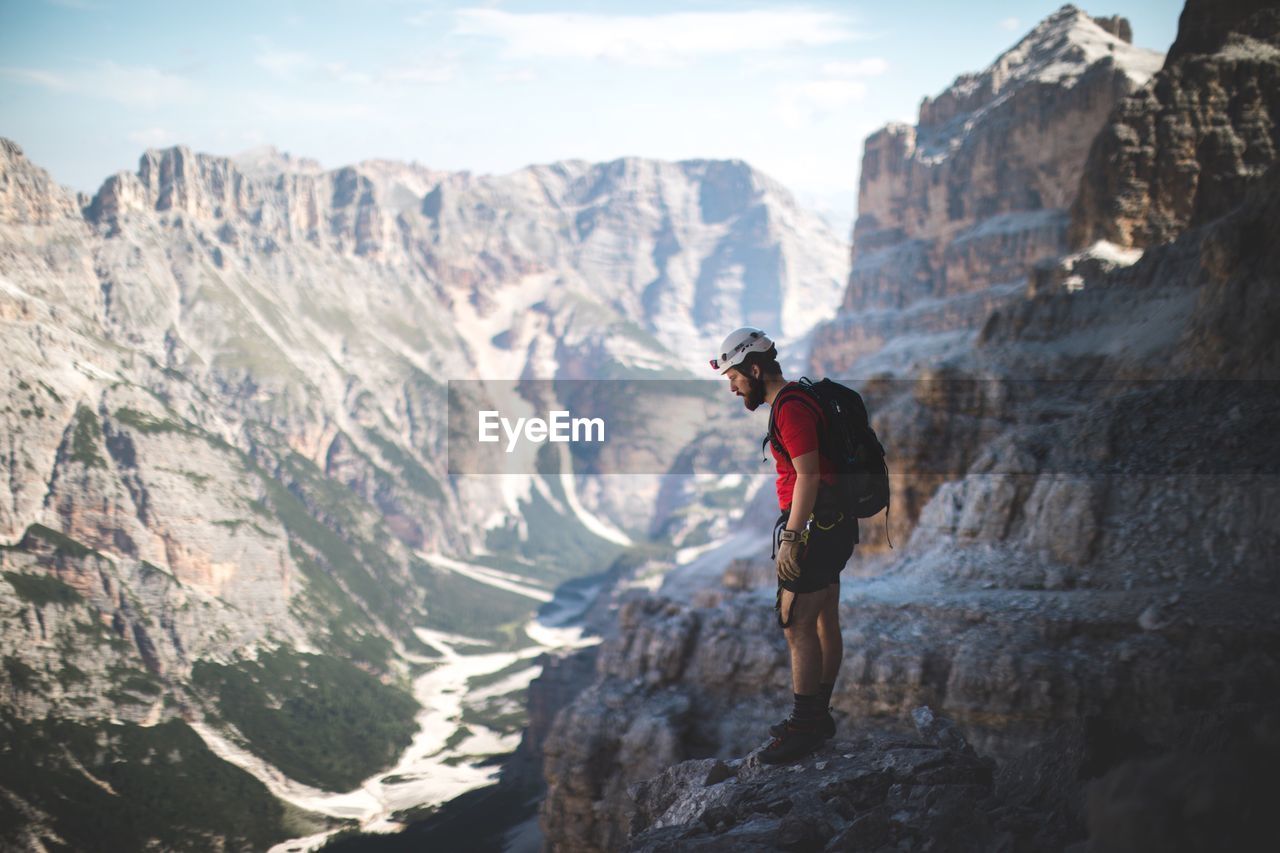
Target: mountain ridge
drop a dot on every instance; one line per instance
(1082, 579)
(226, 444)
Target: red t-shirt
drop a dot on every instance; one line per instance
(797, 425)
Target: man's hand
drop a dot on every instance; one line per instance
(789, 554)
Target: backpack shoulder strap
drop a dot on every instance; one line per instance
(794, 391)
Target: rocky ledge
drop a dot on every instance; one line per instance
(879, 790)
(883, 791)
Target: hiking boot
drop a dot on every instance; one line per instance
(826, 726)
(793, 743)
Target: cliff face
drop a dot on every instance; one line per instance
(954, 212)
(1183, 152)
(224, 443)
(1089, 590)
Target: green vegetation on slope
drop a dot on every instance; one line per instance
(415, 476)
(42, 589)
(124, 787)
(87, 438)
(319, 719)
(558, 545)
(477, 822)
(461, 605)
(61, 542)
(147, 424)
(504, 714)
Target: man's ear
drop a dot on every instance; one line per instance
(756, 373)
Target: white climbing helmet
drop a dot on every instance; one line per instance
(737, 345)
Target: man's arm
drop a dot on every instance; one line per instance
(802, 499)
(805, 494)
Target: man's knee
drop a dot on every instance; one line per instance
(800, 629)
(830, 611)
(801, 613)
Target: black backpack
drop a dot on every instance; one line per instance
(849, 442)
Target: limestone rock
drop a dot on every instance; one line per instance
(1088, 475)
(874, 790)
(29, 195)
(1184, 151)
(1199, 801)
(225, 406)
(954, 212)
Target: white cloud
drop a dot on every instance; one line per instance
(282, 63)
(425, 72)
(872, 66)
(1010, 24)
(142, 87)
(154, 137)
(133, 86)
(801, 104)
(284, 108)
(519, 75)
(48, 79)
(667, 39)
(343, 74)
(300, 66)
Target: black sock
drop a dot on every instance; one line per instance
(825, 690)
(808, 709)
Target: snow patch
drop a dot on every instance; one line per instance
(597, 525)
(1058, 52)
(703, 566)
(487, 576)
(1242, 48)
(1112, 254)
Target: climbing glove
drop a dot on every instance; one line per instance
(789, 554)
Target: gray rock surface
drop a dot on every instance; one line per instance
(955, 211)
(863, 794)
(1086, 482)
(1181, 153)
(224, 396)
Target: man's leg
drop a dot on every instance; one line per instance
(802, 732)
(802, 638)
(829, 637)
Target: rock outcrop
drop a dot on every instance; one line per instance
(1087, 477)
(954, 212)
(224, 430)
(1058, 683)
(878, 790)
(1183, 152)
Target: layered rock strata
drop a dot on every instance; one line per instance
(1183, 152)
(875, 790)
(1059, 684)
(1086, 585)
(224, 443)
(955, 211)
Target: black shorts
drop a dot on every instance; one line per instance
(832, 536)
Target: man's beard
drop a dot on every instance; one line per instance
(754, 397)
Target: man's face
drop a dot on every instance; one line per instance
(750, 388)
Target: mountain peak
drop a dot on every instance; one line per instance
(27, 193)
(267, 160)
(1057, 51)
(1066, 43)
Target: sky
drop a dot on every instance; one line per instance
(87, 85)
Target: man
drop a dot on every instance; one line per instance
(812, 542)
